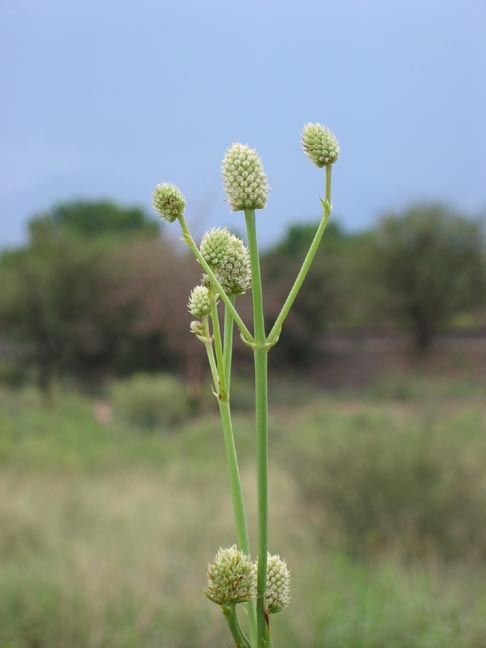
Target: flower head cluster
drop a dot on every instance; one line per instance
(320, 145)
(168, 201)
(277, 595)
(244, 179)
(229, 259)
(199, 304)
(231, 577)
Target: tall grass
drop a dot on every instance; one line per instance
(105, 531)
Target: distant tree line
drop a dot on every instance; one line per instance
(98, 291)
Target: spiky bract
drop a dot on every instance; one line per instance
(320, 145)
(231, 577)
(244, 179)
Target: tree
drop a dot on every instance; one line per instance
(92, 219)
(429, 261)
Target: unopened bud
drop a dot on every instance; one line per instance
(168, 201)
(320, 145)
(244, 179)
(199, 304)
(277, 595)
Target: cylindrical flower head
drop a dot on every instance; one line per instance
(320, 145)
(244, 179)
(235, 274)
(277, 596)
(231, 577)
(214, 246)
(168, 201)
(198, 304)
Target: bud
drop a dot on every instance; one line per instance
(244, 179)
(277, 595)
(320, 145)
(168, 201)
(235, 275)
(231, 577)
(198, 304)
(197, 328)
(214, 246)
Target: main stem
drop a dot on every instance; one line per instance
(241, 525)
(261, 406)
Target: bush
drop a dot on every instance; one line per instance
(420, 492)
(150, 401)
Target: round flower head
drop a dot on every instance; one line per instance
(196, 327)
(214, 246)
(277, 595)
(320, 145)
(244, 179)
(235, 275)
(168, 201)
(198, 304)
(231, 577)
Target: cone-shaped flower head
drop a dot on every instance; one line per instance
(229, 258)
(235, 275)
(214, 246)
(320, 145)
(244, 179)
(168, 201)
(277, 596)
(198, 304)
(231, 577)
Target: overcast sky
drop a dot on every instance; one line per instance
(105, 98)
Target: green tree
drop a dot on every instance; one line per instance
(428, 259)
(92, 219)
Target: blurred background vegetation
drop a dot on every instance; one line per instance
(113, 477)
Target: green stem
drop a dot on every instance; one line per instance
(239, 512)
(224, 297)
(277, 327)
(218, 345)
(261, 406)
(209, 350)
(232, 458)
(228, 344)
(240, 640)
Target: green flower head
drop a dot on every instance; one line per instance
(235, 275)
(231, 577)
(277, 595)
(244, 179)
(320, 145)
(168, 201)
(198, 304)
(214, 246)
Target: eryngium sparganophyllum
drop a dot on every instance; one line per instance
(277, 595)
(214, 246)
(199, 304)
(320, 144)
(244, 179)
(229, 258)
(231, 577)
(168, 201)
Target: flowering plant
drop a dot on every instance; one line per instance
(231, 269)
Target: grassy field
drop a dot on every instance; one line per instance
(378, 502)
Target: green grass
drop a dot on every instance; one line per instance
(377, 502)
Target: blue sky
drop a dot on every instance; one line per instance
(105, 98)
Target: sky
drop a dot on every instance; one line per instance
(106, 98)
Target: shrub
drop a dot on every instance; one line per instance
(150, 401)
